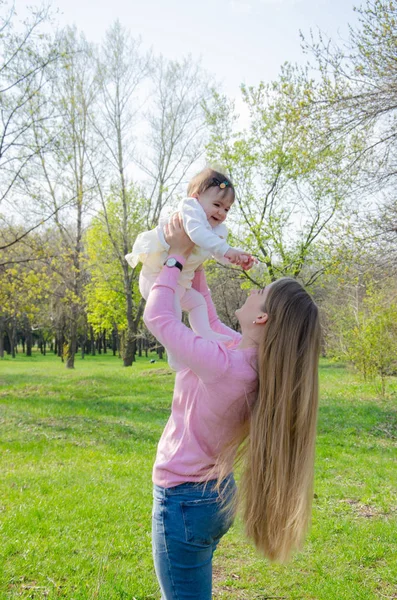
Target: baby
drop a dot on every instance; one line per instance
(210, 197)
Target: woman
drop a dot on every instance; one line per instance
(262, 389)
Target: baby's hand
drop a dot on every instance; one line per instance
(236, 257)
(233, 256)
(249, 263)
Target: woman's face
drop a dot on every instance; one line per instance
(253, 307)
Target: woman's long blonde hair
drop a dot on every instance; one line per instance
(276, 486)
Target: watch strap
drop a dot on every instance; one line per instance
(174, 263)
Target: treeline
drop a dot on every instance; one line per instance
(96, 141)
(78, 122)
(23, 338)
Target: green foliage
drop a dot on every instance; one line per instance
(105, 293)
(367, 332)
(24, 284)
(21, 290)
(291, 184)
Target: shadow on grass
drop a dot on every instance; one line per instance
(150, 376)
(368, 418)
(79, 429)
(137, 403)
(124, 424)
(103, 410)
(331, 365)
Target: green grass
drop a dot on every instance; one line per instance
(77, 450)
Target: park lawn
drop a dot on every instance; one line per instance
(77, 449)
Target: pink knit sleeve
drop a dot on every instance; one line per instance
(200, 284)
(208, 359)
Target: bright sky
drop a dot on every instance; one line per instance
(239, 41)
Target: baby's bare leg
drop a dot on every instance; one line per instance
(194, 303)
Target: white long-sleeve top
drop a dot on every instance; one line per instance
(151, 249)
(196, 225)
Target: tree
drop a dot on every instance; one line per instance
(67, 174)
(121, 70)
(177, 129)
(357, 87)
(365, 330)
(24, 285)
(383, 234)
(28, 66)
(290, 185)
(106, 294)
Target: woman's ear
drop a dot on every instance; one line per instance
(195, 195)
(261, 319)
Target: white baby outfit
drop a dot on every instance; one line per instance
(151, 249)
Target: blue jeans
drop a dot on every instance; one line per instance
(187, 523)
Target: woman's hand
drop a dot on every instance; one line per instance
(178, 240)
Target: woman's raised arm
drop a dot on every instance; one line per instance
(208, 359)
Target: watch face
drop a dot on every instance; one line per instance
(171, 262)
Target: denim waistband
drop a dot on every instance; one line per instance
(194, 488)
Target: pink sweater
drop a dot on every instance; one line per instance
(211, 394)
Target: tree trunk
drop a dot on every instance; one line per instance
(83, 343)
(104, 341)
(29, 338)
(114, 340)
(7, 345)
(72, 345)
(129, 348)
(92, 341)
(61, 343)
(121, 343)
(11, 337)
(2, 332)
(99, 343)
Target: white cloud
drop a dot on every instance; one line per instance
(278, 1)
(240, 8)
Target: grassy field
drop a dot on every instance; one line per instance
(75, 489)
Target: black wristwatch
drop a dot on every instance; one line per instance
(172, 262)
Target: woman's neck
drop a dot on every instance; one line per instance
(247, 341)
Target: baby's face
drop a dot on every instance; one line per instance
(216, 205)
